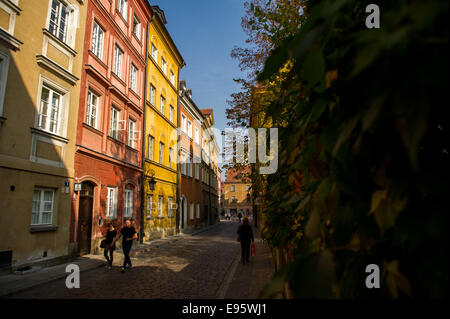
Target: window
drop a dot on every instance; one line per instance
(248, 188)
(118, 56)
(192, 211)
(133, 78)
(154, 53)
(170, 156)
(114, 132)
(4, 66)
(233, 199)
(111, 202)
(172, 78)
(163, 101)
(122, 7)
(161, 153)
(233, 188)
(152, 94)
(197, 171)
(189, 167)
(183, 123)
(50, 111)
(169, 206)
(137, 27)
(160, 206)
(197, 136)
(97, 40)
(131, 133)
(149, 205)
(91, 111)
(171, 113)
(42, 208)
(59, 20)
(128, 212)
(150, 147)
(164, 65)
(198, 211)
(189, 129)
(183, 164)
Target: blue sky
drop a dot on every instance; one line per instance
(205, 32)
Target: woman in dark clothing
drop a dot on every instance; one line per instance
(110, 244)
(246, 237)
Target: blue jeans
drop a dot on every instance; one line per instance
(126, 246)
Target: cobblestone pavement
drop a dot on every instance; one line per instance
(190, 268)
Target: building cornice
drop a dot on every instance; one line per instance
(52, 66)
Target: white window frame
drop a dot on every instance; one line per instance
(164, 65)
(154, 53)
(170, 157)
(122, 7)
(161, 153)
(98, 35)
(56, 21)
(172, 78)
(151, 147)
(111, 203)
(114, 123)
(171, 109)
(197, 206)
(189, 129)
(4, 68)
(162, 104)
(183, 123)
(131, 132)
(50, 109)
(160, 206)
(118, 61)
(41, 207)
(133, 77)
(183, 163)
(92, 109)
(197, 135)
(191, 211)
(149, 205)
(169, 206)
(128, 203)
(152, 94)
(136, 27)
(233, 188)
(197, 171)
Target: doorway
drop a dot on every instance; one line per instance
(85, 218)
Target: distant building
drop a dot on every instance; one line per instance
(190, 162)
(210, 169)
(236, 191)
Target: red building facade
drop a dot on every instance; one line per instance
(108, 159)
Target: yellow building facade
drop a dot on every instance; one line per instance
(41, 49)
(161, 122)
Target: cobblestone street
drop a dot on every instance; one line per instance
(202, 266)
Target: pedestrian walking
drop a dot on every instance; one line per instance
(128, 234)
(246, 238)
(110, 244)
(240, 216)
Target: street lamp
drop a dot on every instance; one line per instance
(151, 183)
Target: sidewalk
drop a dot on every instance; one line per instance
(13, 283)
(247, 281)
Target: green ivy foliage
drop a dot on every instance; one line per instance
(363, 172)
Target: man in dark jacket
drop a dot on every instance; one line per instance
(246, 237)
(129, 234)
